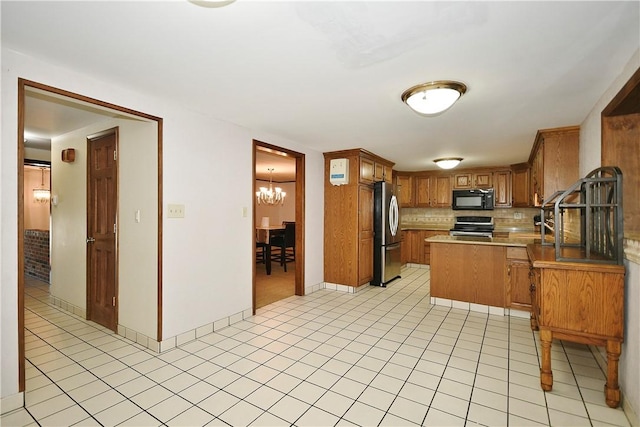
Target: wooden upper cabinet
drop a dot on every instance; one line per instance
(382, 172)
(502, 186)
(422, 191)
(466, 180)
(372, 170)
(441, 191)
(405, 190)
(554, 161)
(462, 181)
(367, 170)
(520, 187)
(483, 179)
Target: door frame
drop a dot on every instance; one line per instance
(299, 216)
(23, 84)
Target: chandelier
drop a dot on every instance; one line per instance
(41, 194)
(269, 196)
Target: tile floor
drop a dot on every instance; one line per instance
(382, 356)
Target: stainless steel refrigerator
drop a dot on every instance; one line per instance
(387, 237)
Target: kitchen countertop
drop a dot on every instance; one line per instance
(475, 240)
(434, 226)
(449, 226)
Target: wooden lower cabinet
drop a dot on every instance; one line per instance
(578, 302)
(415, 249)
(468, 272)
(415, 246)
(518, 281)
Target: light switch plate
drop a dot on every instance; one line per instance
(175, 211)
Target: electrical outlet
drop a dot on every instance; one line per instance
(518, 215)
(175, 211)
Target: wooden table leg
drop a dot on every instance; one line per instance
(611, 388)
(267, 260)
(546, 376)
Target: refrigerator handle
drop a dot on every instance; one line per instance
(393, 215)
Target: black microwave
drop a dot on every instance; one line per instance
(478, 199)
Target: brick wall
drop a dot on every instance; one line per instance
(36, 254)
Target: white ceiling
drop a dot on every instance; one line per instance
(329, 75)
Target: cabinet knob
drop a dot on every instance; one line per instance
(532, 287)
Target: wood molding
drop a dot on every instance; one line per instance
(22, 85)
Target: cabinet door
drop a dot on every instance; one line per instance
(462, 181)
(365, 266)
(365, 225)
(502, 189)
(382, 172)
(520, 188)
(537, 177)
(404, 248)
(482, 180)
(426, 255)
(416, 247)
(519, 281)
(441, 192)
(367, 170)
(423, 191)
(405, 191)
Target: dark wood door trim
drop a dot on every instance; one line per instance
(299, 216)
(23, 84)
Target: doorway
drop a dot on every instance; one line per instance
(84, 113)
(277, 167)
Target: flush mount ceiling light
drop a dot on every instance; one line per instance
(211, 3)
(433, 98)
(448, 163)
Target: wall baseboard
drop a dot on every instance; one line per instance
(11, 403)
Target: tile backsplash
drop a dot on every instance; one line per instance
(510, 220)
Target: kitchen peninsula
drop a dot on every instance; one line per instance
(485, 273)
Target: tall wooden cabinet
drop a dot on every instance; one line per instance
(348, 217)
(520, 186)
(554, 161)
(502, 186)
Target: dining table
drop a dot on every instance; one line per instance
(263, 234)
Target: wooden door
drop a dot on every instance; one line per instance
(102, 196)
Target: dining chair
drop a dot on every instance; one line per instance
(285, 243)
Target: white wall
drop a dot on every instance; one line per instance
(207, 256)
(137, 242)
(590, 156)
